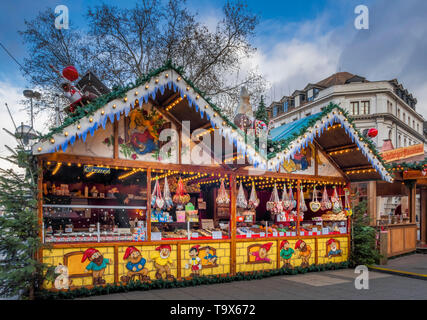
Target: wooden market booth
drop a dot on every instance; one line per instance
(100, 171)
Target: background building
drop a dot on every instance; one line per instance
(384, 105)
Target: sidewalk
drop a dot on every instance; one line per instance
(414, 265)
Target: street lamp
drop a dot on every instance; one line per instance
(30, 94)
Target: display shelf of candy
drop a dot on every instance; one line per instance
(139, 234)
(87, 237)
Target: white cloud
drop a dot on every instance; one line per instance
(11, 95)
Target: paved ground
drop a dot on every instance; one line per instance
(415, 263)
(328, 285)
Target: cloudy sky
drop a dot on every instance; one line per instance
(297, 42)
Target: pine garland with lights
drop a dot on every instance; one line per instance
(201, 280)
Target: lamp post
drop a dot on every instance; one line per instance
(30, 94)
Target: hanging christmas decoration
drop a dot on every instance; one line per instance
(347, 208)
(274, 205)
(181, 197)
(222, 198)
(292, 201)
(70, 73)
(167, 195)
(314, 204)
(156, 197)
(336, 202)
(302, 205)
(325, 204)
(241, 201)
(286, 203)
(253, 202)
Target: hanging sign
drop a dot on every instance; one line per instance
(92, 169)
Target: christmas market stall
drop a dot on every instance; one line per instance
(152, 181)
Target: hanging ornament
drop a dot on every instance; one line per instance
(70, 73)
(285, 199)
(274, 205)
(347, 208)
(314, 204)
(302, 205)
(167, 195)
(292, 201)
(325, 204)
(156, 198)
(222, 198)
(336, 202)
(241, 201)
(181, 197)
(253, 202)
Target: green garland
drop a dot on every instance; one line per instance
(421, 165)
(201, 280)
(284, 143)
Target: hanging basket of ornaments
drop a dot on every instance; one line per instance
(181, 197)
(274, 205)
(222, 199)
(241, 201)
(253, 201)
(167, 195)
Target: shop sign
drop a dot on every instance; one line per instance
(403, 153)
(92, 169)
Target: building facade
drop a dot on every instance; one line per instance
(384, 105)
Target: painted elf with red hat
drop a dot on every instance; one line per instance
(162, 261)
(334, 250)
(135, 266)
(304, 253)
(97, 264)
(194, 262)
(286, 253)
(261, 254)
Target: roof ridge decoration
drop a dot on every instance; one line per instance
(284, 149)
(91, 117)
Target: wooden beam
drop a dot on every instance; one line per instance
(148, 211)
(233, 204)
(337, 167)
(116, 140)
(423, 216)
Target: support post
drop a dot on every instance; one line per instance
(148, 210)
(233, 209)
(423, 217)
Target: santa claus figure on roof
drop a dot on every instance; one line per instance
(97, 265)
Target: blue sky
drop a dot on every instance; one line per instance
(298, 42)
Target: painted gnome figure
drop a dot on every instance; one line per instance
(333, 248)
(194, 262)
(304, 253)
(262, 253)
(97, 264)
(162, 261)
(286, 253)
(244, 117)
(135, 266)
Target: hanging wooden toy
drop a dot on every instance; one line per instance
(314, 204)
(222, 198)
(253, 202)
(325, 204)
(181, 197)
(241, 201)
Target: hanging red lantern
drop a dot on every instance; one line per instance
(372, 133)
(70, 73)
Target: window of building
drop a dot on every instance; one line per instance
(308, 114)
(400, 142)
(275, 110)
(354, 108)
(418, 127)
(294, 119)
(285, 106)
(365, 108)
(413, 124)
(398, 113)
(404, 117)
(405, 143)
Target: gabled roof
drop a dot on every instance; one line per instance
(291, 138)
